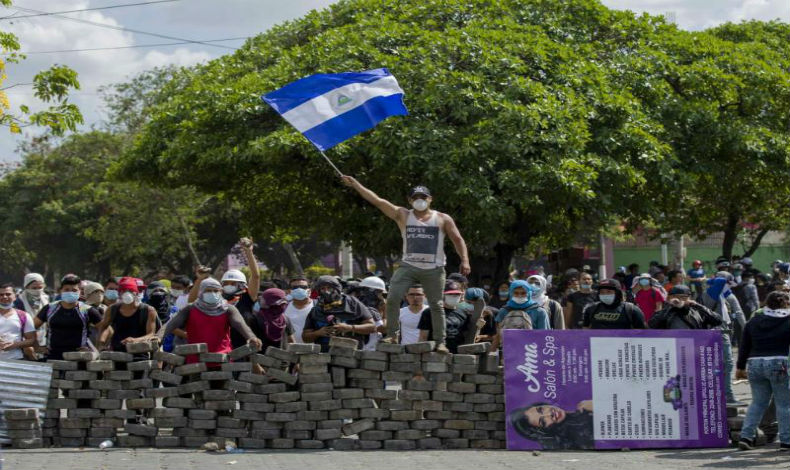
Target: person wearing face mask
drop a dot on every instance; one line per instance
(300, 306)
(209, 320)
(500, 297)
(371, 291)
(552, 307)
(520, 312)
(17, 331)
(612, 312)
(746, 293)
(68, 320)
(459, 324)
(270, 323)
(648, 295)
(682, 313)
(110, 292)
(33, 297)
(576, 303)
(423, 231)
(179, 291)
(336, 314)
(128, 321)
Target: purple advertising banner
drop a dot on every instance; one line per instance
(613, 389)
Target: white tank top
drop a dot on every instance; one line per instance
(423, 242)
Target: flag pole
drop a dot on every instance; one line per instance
(340, 173)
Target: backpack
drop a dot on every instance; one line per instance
(82, 309)
(22, 322)
(516, 320)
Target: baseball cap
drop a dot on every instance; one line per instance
(419, 190)
(452, 287)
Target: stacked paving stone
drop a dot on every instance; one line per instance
(398, 397)
(23, 427)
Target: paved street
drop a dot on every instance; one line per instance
(185, 459)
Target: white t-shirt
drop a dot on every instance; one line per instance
(373, 338)
(10, 327)
(298, 316)
(409, 333)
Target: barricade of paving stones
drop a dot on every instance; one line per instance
(343, 399)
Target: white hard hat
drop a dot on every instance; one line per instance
(373, 282)
(234, 275)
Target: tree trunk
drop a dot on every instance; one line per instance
(294, 259)
(755, 243)
(381, 265)
(730, 235)
(496, 265)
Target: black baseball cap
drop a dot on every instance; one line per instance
(419, 190)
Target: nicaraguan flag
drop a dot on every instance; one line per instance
(331, 108)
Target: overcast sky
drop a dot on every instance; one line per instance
(213, 19)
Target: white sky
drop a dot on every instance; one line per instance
(216, 19)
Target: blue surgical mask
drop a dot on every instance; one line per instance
(299, 293)
(644, 282)
(608, 299)
(6, 306)
(70, 297)
(111, 294)
(212, 298)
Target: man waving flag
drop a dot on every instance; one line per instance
(331, 108)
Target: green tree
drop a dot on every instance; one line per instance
(516, 124)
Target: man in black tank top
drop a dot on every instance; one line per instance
(128, 321)
(423, 231)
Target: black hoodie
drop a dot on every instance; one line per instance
(764, 336)
(619, 315)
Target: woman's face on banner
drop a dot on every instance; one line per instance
(544, 416)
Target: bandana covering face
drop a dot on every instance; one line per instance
(271, 316)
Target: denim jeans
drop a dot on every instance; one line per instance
(432, 281)
(729, 365)
(768, 377)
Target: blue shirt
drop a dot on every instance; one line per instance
(539, 317)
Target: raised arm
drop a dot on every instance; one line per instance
(389, 209)
(255, 273)
(458, 242)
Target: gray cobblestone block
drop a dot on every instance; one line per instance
(460, 407)
(139, 384)
(405, 415)
(391, 348)
(356, 403)
(455, 443)
(327, 434)
(220, 405)
(189, 432)
(102, 432)
(167, 442)
(281, 375)
(315, 378)
(166, 377)
(404, 357)
(326, 405)
(228, 422)
(480, 379)
(410, 434)
(330, 423)
(347, 393)
(62, 403)
(476, 434)
(252, 398)
(434, 367)
(489, 364)
(140, 403)
(421, 385)
(458, 424)
(74, 423)
(63, 365)
(193, 387)
(489, 407)
(106, 404)
(366, 383)
(237, 367)
(391, 425)
(73, 442)
(83, 413)
(363, 374)
(194, 441)
(268, 389)
(357, 427)
(334, 351)
(447, 396)
(413, 395)
(375, 413)
(316, 396)
(381, 394)
(428, 405)
(314, 369)
(308, 415)
(202, 414)
(179, 402)
(317, 387)
(83, 394)
(63, 432)
(446, 433)
(486, 425)
(161, 392)
(179, 422)
(30, 425)
(430, 357)
(282, 354)
(310, 444)
(304, 348)
(142, 366)
(267, 361)
(258, 407)
(338, 376)
(232, 432)
(66, 384)
(80, 375)
(252, 443)
(422, 347)
(291, 407)
(500, 398)
(266, 433)
(80, 356)
(203, 424)
(343, 414)
(465, 359)
(496, 416)
(400, 444)
(142, 347)
(463, 368)
(34, 443)
(298, 425)
(107, 422)
(410, 367)
(373, 356)
(479, 398)
(282, 444)
(53, 393)
(500, 435)
(342, 361)
(392, 376)
(284, 397)
(461, 387)
(242, 352)
(49, 413)
(100, 366)
(376, 435)
(442, 377)
(259, 425)
(343, 444)
(369, 445)
(116, 356)
(280, 417)
(213, 395)
(255, 379)
(120, 414)
(427, 443)
(167, 413)
(340, 342)
(424, 425)
(491, 388)
(216, 375)
(169, 358)
(476, 348)
(188, 349)
(369, 364)
(121, 375)
(217, 358)
(49, 423)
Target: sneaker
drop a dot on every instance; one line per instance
(784, 447)
(746, 444)
(442, 349)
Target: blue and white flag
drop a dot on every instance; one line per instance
(331, 108)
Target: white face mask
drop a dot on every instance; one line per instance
(419, 204)
(176, 293)
(520, 300)
(128, 298)
(452, 300)
(211, 298)
(230, 289)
